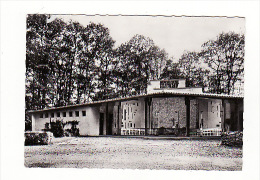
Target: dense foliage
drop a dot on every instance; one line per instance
(67, 63)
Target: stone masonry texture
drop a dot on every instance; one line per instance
(169, 111)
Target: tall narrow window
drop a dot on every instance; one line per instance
(77, 113)
(52, 115)
(124, 114)
(70, 113)
(46, 115)
(58, 114)
(83, 113)
(64, 114)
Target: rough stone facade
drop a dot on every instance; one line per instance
(168, 111)
(194, 114)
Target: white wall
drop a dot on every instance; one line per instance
(214, 118)
(134, 114)
(154, 87)
(209, 111)
(88, 125)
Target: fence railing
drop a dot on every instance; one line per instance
(207, 132)
(153, 131)
(170, 131)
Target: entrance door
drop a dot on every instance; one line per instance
(109, 124)
(101, 123)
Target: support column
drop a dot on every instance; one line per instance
(223, 120)
(33, 122)
(150, 123)
(237, 115)
(187, 103)
(107, 121)
(118, 119)
(145, 116)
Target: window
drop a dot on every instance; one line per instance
(134, 125)
(41, 115)
(77, 113)
(46, 115)
(58, 114)
(169, 84)
(52, 114)
(130, 124)
(64, 114)
(124, 114)
(137, 104)
(115, 125)
(122, 124)
(70, 113)
(83, 113)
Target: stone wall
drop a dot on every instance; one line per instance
(168, 111)
(193, 114)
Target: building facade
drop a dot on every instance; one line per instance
(168, 108)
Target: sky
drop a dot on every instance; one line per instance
(174, 34)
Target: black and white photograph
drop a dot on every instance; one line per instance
(148, 92)
(108, 91)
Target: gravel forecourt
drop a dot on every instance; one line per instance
(134, 153)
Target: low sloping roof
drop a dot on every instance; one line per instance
(158, 94)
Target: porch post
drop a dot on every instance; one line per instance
(107, 121)
(33, 122)
(237, 114)
(145, 116)
(149, 112)
(118, 119)
(223, 120)
(187, 103)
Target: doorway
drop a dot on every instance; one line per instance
(109, 124)
(101, 123)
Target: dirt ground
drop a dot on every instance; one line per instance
(134, 153)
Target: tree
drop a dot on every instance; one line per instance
(37, 69)
(139, 60)
(225, 58)
(192, 69)
(170, 71)
(100, 53)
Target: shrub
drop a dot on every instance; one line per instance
(37, 138)
(161, 131)
(232, 139)
(57, 128)
(71, 128)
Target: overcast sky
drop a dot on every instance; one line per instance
(174, 34)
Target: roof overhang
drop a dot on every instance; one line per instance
(159, 94)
